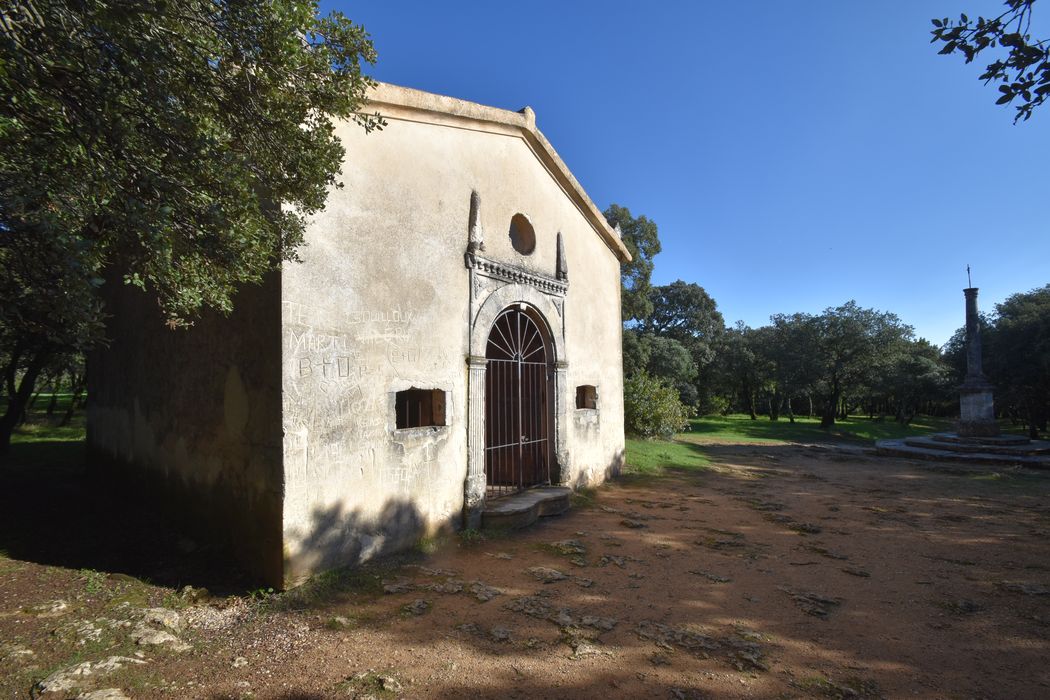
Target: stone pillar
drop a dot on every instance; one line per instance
(561, 422)
(474, 489)
(976, 405)
(973, 336)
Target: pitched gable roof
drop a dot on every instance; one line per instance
(396, 102)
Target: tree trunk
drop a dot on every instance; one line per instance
(10, 371)
(810, 397)
(774, 407)
(17, 404)
(831, 408)
(78, 387)
(53, 403)
(790, 412)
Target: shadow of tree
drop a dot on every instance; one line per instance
(645, 541)
(55, 510)
(909, 509)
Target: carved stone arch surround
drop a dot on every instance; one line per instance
(489, 297)
(508, 295)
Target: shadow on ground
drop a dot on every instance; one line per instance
(55, 510)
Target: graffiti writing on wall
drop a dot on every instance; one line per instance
(338, 395)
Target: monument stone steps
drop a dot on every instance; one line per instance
(950, 442)
(936, 451)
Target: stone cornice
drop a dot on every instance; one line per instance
(516, 275)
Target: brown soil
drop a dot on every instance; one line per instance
(783, 571)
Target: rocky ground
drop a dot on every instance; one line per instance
(781, 572)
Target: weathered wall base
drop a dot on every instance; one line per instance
(191, 418)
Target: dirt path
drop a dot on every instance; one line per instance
(781, 572)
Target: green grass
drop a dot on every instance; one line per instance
(649, 457)
(42, 442)
(738, 428)
(94, 581)
(348, 584)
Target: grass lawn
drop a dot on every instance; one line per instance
(686, 450)
(739, 428)
(42, 441)
(653, 456)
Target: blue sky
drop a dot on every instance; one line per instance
(794, 155)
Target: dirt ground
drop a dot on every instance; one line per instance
(781, 572)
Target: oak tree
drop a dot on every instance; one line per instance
(183, 143)
(640, 236)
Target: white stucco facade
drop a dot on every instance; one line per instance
(401, 278)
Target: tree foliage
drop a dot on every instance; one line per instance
(181, 142)
(1017, 358)
(685, 312)
(652, 408)
(854, 346)
(843, 356)
(1022, 68)
(640, 237)
(661, 357)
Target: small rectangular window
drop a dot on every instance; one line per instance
(418, 408)
(586, 396)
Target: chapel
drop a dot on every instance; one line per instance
(450, 338)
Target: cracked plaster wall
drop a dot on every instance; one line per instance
(381, 303)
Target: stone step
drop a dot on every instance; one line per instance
(1015, 447)
(996, 440)
(935, 452)
(524, 508)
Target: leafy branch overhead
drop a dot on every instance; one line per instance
(176, 145)
(184, 141)
(1023, 73)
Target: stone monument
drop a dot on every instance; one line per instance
(976, 407)
(977, 439)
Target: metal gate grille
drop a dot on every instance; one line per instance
(517, 422)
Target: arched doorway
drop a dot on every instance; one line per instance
(518, 409)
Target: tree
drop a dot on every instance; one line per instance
(183, 143)
(670, 360)
(1023, 72)
(855, 345)
(737, 369)
(651, 408)
(643, 243)
(916, 375)
(1018, 358)
(793, 350)
(637, 349)
(686, 313)
(1016, 343)
(662, 358)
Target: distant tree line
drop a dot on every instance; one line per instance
(845, 360)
